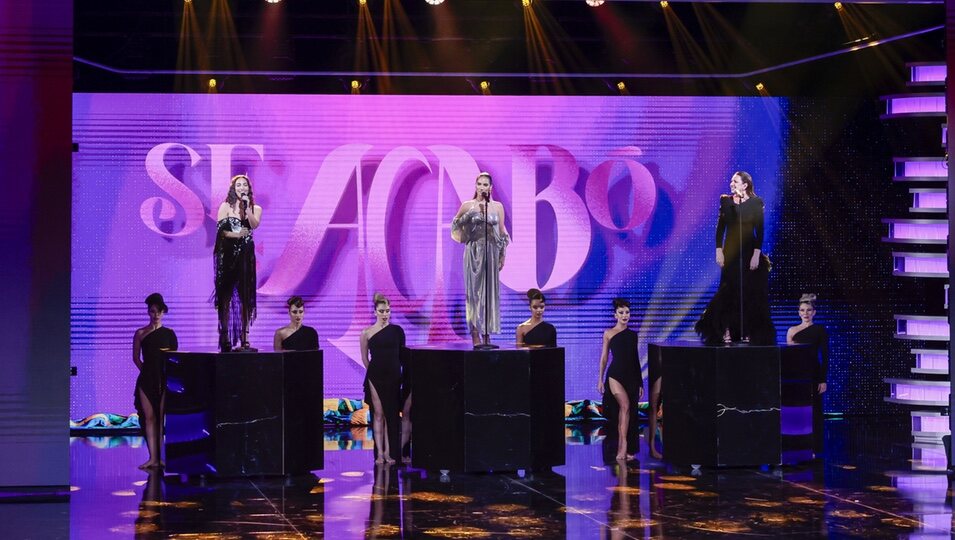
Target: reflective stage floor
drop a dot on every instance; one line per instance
(872, 484)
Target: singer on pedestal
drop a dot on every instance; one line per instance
(739, 311)
(479, 224)
(234, 264)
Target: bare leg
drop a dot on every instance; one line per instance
(623, 423)
(149, 427)
(245, 326)
(475, 337)
(654, 409)
(406, 427)
(379, 428)
(161, 429)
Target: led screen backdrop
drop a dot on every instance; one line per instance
(605, 197)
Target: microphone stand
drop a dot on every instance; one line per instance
(486, 341)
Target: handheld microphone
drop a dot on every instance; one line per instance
(486, 195)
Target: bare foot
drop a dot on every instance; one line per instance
(149, 465)
(406, 460)
(654, 454)
(379, 460)
(621, 457)
(389, 460)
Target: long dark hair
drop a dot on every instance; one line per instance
(232, 196)
(747, 179)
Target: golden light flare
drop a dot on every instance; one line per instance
(459, 532)
(625, 489)
(849, 514)
(806, 501)
(677, 478)
(762, 504)
(430, 496)
(518, 521)
(704, 494)
(505, 507)
(719, 525)
(124, 493)
(673, 486)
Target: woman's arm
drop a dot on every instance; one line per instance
(604, 353)
(720, 232)
(363, 346)
(255, 216)
(137, 349)
(277, 341)
(758, 241)
(505, 239)
(519, 335)
(789, 335)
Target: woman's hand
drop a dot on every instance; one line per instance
(821, 388)
(600, 387)
(719, 257)
(754, 262)
(500, 264)
(244, 232)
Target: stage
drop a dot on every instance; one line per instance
(859, 490)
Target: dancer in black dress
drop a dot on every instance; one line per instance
(295, 336)
(806, 332)
(739, 311)
(623, 387)
(150, 395)
(385, 343)
(535, 331)
(234, 263)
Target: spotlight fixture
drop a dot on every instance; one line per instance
(272, 1)
(664, 4)
(212, 83)
(760, 86)
(595, 3)
(434, 2)
(526, 3)
(187, 1)
(355, 85)
(621, 86)
(485, 85)
(362, 2)
(838, 6)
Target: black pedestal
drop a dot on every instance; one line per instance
(801, 414)
(488, 410)
(244, 414)
(722, 404)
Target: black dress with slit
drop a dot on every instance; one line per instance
(152, 375)
(625, 369)
(543, 334)
(817, 336)
(384, 373)
(235, 279)
(741, 302)
(303, 339)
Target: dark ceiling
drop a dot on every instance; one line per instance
(313, 46)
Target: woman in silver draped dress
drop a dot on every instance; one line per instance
(468, 228)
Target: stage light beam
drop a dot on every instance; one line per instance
(526, 3)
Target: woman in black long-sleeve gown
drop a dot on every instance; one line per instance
(739, 310)
(809, 333)
(535, 331)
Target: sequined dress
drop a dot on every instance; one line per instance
(469, 229)
(235, 280)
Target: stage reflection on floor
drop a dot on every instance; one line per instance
(870, 485)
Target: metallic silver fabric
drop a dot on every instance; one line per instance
(469, 229)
